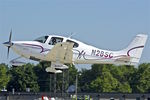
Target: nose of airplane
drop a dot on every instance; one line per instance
(8, 44)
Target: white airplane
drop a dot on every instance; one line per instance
(60, 50)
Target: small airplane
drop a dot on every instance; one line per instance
(60, 50)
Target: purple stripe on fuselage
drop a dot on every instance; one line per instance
(37, 47)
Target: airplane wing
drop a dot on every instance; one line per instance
(17, 62)
(61, 52)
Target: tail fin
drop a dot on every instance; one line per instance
(134, 50)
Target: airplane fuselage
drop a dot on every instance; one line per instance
(82, 53)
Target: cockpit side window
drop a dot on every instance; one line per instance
(41, 39)
(55, 40)
(75, 44)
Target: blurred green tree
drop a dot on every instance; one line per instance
(4, 76)
(23, 77)
(141, 80)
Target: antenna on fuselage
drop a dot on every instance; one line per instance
(72, 34)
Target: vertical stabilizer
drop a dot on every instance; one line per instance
(135, 48)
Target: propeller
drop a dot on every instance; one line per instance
(8, 44)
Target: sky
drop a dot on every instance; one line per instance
(106, 24)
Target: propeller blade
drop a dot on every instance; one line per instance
(8, 52)
(10, 36)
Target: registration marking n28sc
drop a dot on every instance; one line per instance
(99, 53)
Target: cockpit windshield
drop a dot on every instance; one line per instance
(41, 39)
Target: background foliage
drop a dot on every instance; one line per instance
(100, 78)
